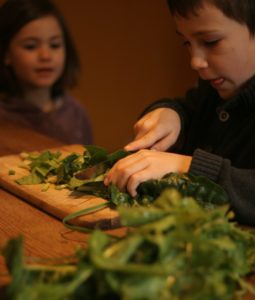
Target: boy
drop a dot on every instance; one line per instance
(211, 131)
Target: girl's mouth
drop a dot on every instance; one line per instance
(217, 82)
(45, 72)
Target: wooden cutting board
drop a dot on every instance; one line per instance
(58, 203)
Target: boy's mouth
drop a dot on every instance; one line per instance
(217, 82)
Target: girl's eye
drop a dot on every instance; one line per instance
(56, 45)
(30, 46)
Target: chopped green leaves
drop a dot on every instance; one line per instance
(11, 172)
(47, 165)
(175, 250)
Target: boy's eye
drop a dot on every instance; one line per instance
(211, 43)
(186, 43)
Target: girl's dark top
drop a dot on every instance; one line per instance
(220, 135)
(68, 123)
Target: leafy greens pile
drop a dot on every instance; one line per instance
(48, 167)
(93, 164)
(176, 249)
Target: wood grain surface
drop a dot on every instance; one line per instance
(58, 203)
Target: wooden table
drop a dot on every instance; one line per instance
(44, 235)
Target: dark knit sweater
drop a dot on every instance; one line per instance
(220, 135)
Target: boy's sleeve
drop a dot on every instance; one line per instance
(238, 183)
(183, 105)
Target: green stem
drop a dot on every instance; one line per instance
(80, 213)
(59, 269)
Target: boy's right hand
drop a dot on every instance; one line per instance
(158, 130)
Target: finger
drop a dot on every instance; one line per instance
(116, 174)
(146, 141)
(143, 126)
(121, 176)
(164, 144)
(136, 179)
(123, 169)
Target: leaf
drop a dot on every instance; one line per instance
(112, 158)
(95, 154)
(34, 178)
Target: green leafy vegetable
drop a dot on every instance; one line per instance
(41, 166)
(11, 172)
(175, 250)
(85, 173)
(47, 165)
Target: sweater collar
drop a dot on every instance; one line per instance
(15, 104)
(244, 99)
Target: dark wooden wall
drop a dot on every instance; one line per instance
(130, 56)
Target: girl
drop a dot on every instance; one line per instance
(38, 62)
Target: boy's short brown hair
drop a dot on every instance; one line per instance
(242, 11)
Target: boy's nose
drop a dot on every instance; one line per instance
(198, 62)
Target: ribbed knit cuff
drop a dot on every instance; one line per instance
(163, 103)
(206, 164)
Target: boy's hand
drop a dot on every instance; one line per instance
(143, 165)
(158, 130)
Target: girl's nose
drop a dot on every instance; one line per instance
(198, 62)
(44, 53)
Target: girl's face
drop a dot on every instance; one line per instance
(222, 50)
(37, 53)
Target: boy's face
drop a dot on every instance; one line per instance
(222, 50)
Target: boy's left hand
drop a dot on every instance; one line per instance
(158, 130)
(143, 165)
